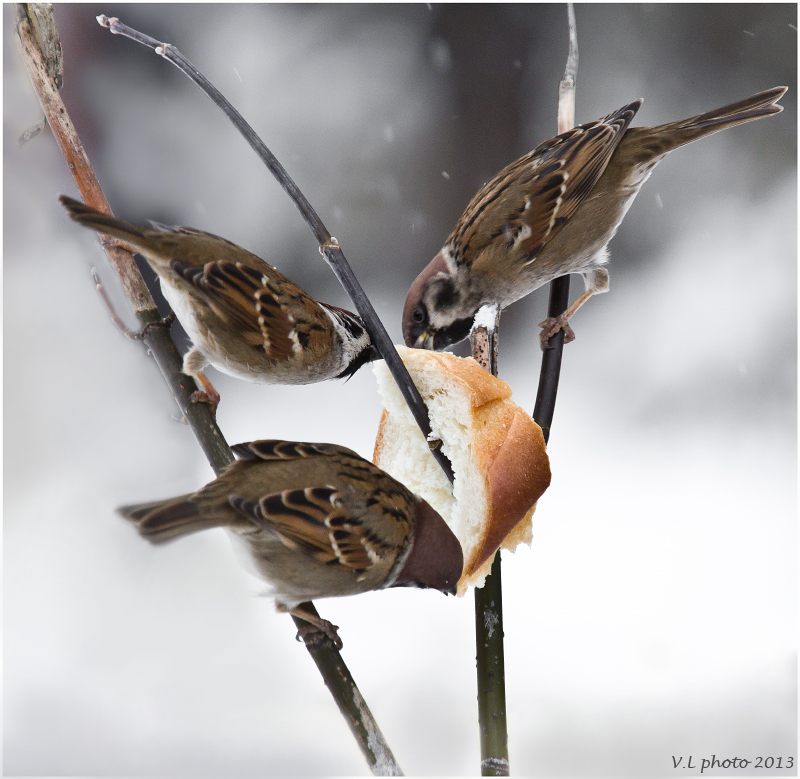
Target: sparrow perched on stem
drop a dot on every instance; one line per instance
(551, 213)
(243, 316)
(318, 521)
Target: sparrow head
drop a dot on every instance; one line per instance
(357, 347)
(434, 312)
(367, 353)
(435, 559)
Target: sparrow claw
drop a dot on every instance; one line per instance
(323, 635)
(198, 396)
(551, 326)
(208, 394)
(165, 322)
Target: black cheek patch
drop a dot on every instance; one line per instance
(444, 295)
(456, 332)
(353, 328)
(367, 354)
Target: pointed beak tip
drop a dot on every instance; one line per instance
(424, 341)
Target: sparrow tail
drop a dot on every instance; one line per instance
(103, 223)
(164, 520)
(679, 133)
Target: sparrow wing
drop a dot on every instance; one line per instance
(530, 200)
(266, 309)
(317, 522)
(288, 450)
(364, 521)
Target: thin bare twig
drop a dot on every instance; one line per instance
(159, 342)
(329, 246)
(489, 599)
(559, 288)
(115, 317)
(566, 88)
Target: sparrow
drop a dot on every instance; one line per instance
(551, 213)
(244, 317)
(317, 521)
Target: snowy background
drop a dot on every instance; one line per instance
(654, 615)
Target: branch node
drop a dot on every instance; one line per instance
(165, 322)
(326, 246)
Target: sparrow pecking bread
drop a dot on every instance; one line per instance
(317, 521)
(243, 316)
(551, 213)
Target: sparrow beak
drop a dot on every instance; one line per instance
(437, 340)
(424, 340)
(414, 299)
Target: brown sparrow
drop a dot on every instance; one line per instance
(243, 316)
(317, 521)
(550, 213)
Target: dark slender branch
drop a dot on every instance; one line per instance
(551, 360)
(491, 672)
(380, 337)
(170, 53)
(198, 416)
(352, 706)
(559, 289)
(489, 650)
(329, 247)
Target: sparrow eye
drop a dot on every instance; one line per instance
(418, 315)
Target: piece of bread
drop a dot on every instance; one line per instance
(497, 451)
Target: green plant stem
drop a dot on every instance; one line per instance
(489, 649)
(491, 674)
(489, 599)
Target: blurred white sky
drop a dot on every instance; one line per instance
(654, 615)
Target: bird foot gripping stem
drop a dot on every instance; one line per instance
(318, 632)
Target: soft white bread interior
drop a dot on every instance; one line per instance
(497, 451)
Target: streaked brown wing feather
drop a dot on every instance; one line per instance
(358, 527)
(531, 199)
(313, 520)
(250, 300)
(271, 449)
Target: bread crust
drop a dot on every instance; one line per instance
(476, 383)
(518, 473)
(506, 450)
